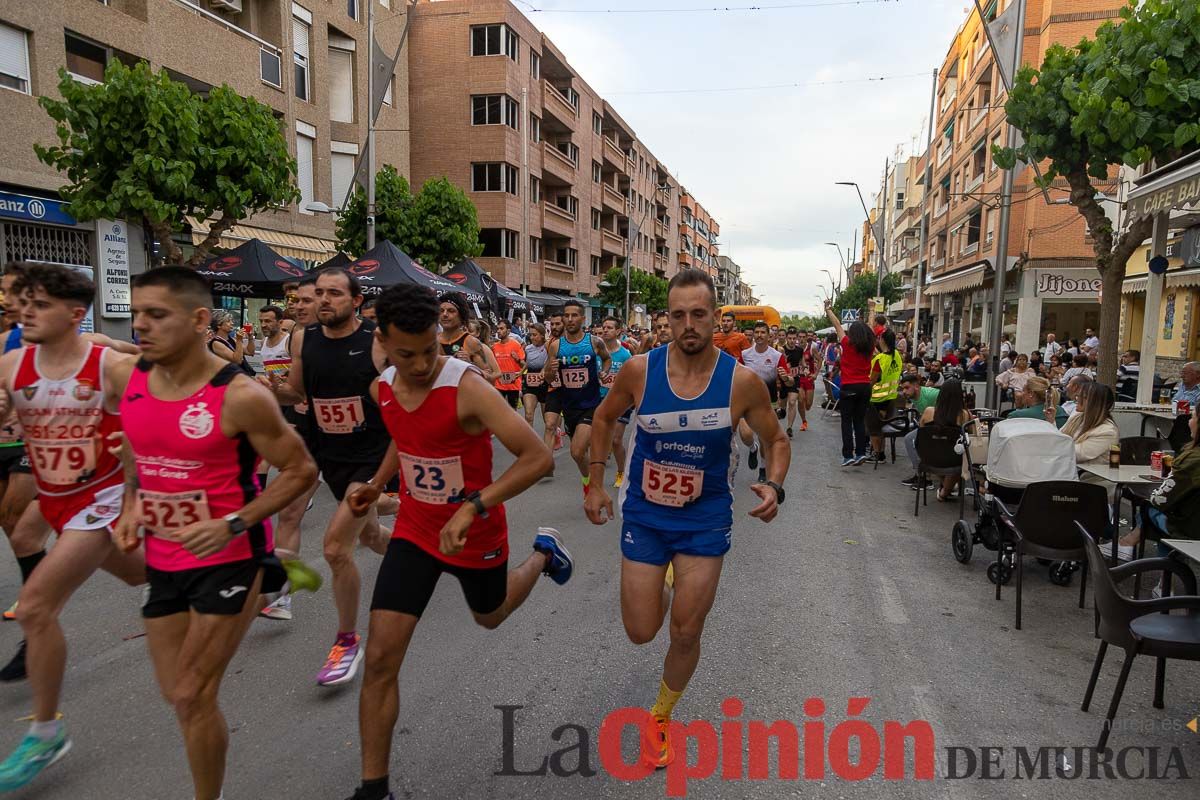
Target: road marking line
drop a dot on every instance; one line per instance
(893, 606)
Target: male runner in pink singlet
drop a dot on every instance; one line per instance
(440, 413)
(64, 390)
(191, 487)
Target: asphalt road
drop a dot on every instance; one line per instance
(844, 595)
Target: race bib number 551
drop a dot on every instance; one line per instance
(338, 414)
(671, 486)
(436, 481)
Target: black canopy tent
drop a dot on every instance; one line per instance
(250, 270)
(386, 265)
(339, 260)
(469, 275)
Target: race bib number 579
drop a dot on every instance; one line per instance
(671, 486)
(63, 461)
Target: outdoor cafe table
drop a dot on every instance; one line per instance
(1149, 413)
(1124, 475)
(1186, 547)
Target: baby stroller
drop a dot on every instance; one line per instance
(1019, 452)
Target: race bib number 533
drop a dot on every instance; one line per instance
(338, 414)
(436, 481)
(671, 486)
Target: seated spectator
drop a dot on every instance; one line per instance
(1032, 402)
(951, 359)
(1174, 509)
(950, 410)
(1092, 427)
(1091, 343)
(1054, 373)
(933, 374)
(1006, 363)
(1079, 366)
(976, 368)
(1036, 362)
(1073, 348)
(921, 398)
(1189, 384)
(1072, 390)
(1128, 373)
(1016, 377)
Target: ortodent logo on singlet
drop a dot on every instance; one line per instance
(196, 421)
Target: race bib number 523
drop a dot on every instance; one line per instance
(671, 486)
(165, 513)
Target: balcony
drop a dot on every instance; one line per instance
(558, 221)
(940, 209)
(971, 249)
(567, 268)
(239, 62)
(978, 179)
(944, 153)
(615, 156)
(557, 105)
(614, 201)
(662, 197)
(660, 230)
(612, 243)
(939, 263)
(556, 164)
(948, 101)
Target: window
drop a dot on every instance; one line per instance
(595, 265)
(499, 243)
(535, 65)
(306, 139)
(495, 109)
(535, 249)
(597, 172)
(572, 97)
(535, 190)
(568, 203)
(597, 124)
(995, 145)
(14, 59)
(570, 150)
(974, 224)
(387, 92)
(496, 177)
(535, 128)
(301, 30)
(341, 170)
(566, 255)
(341, 78)
(494, 40)
(595, 219)
(899, 201)
(86, 60)
(352, 8)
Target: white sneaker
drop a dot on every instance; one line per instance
(281, 609)
(1124, 552)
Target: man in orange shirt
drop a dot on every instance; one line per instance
(510, 357)
(729, 338)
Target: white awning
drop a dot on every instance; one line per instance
(1179, 279)
(958, 281)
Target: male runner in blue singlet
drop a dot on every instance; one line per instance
(610, 332)
(581, 362)
(677, 501)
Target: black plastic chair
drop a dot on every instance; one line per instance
(896, 427)
(1136, 627)
(1136, 450)
(937, 456)
(1043, 526)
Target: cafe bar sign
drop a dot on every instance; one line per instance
(1178, 188)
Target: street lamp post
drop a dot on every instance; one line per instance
(874, 233)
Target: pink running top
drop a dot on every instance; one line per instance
(189, 471)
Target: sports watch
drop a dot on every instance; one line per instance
(474, 499)
(780, 494)
(237, 525)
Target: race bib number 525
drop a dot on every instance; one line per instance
(671, 486)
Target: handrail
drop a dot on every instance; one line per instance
(204, 12)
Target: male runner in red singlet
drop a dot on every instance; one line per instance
(65, 390)
(441, 414)
(191, 487)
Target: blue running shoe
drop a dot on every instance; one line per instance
(31, 757)
(559, 566)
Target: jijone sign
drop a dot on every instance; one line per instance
(1054, 284)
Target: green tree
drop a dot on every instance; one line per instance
(651, 289)
(1130, 96)
(392, 202)
(441, 228)
(804, 323)
(144, 148)
(862, 289)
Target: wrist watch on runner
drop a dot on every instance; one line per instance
(237, 525)
(780, 494)
(474, 499)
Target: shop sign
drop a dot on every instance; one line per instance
(34, 209)
(1067, 284)
(114, 268)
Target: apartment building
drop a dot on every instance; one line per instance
(305, 59)
(728, 281)
(563, 186)
(1047, 244)
(904, 196)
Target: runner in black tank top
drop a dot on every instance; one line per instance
(338, 361)
(452, 348)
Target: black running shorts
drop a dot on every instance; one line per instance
(14, 460)
(408, 576)
(574, 417)
(553, 403)
(340, 474)
(221, 590)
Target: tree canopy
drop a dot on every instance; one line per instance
(145, 148)
(1129, 96)
(652, 289)
(862, 289)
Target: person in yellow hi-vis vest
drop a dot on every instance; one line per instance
(886, 367)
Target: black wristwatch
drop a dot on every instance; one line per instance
(474, 499)
(237, 525)
(780, 494)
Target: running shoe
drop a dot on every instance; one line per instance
(301, 577)
(14, 670)
(861, 459)
(909, 481)
(656, 744)
(558, 439)
(848, 462)
(559, 565)
(804, 425)
(11, 614)
(31, 757)
(619, 480)
(752, 459)
(343, 661)
(281, 609)
(360, 795)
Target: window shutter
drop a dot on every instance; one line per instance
(300, 38)
(304, 168)
(14, 59)
(341, 85)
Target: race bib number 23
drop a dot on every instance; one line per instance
(437, 481)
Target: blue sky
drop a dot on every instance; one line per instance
(764, 162)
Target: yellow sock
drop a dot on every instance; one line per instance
(667, 698)
(670, 576)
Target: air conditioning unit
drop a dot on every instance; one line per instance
(229, 6)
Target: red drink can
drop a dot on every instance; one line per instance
(1183, 408)
(1156, 459)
